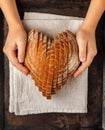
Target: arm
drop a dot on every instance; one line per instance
(16, 38)
(86, 34)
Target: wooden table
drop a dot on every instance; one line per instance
(55, 121)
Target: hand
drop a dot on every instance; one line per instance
(14, 47)
(87, 48)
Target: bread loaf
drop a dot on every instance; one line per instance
(51, 61)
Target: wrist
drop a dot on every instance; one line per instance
(10, 12)
(94, 14)
(16, 26)
(88, 27)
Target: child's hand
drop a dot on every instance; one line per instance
(87, 48)
(14, 47)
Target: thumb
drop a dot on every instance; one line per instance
(82, 50)
(21, 52)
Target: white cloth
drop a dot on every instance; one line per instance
(24, 95)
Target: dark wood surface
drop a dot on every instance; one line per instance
(1, 72)
(64, 7)
(56, 121)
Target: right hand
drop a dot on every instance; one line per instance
(87, 48)
(14, 47)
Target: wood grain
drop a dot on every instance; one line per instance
(63, 7)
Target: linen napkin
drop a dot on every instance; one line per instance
(24, 95)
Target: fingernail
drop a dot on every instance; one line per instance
(21, 60)
(82, 59)
(74, 75)
(26, 73)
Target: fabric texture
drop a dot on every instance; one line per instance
(24, 95)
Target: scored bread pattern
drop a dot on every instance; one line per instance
(51, 60)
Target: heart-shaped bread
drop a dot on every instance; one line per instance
(51, 61)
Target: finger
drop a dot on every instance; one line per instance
(82, 49)
(14, 60)
(84, 65)
(21, 52)
(93, 48)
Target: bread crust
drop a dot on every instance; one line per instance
(51, 61)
